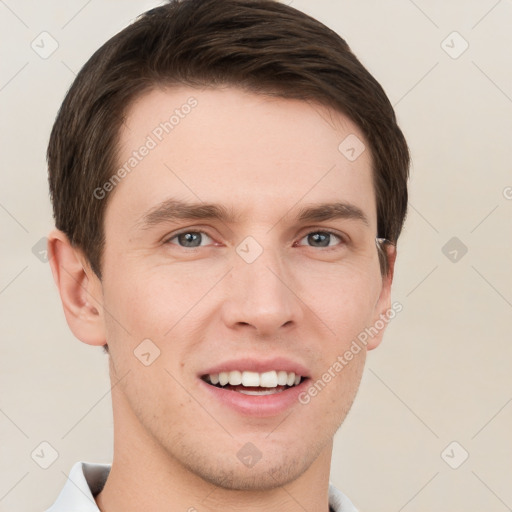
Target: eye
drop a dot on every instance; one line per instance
(319, 239)
(189, 239)
(323, 239)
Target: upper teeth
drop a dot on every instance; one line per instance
(270, 379)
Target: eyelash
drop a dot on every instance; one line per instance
(343, 240)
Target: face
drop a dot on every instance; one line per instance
(263, 283)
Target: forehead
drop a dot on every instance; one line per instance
(257, 155)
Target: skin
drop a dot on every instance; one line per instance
(176, 448)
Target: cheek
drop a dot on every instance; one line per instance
(150, 301)
(344, 299)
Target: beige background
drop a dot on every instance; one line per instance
(443, 373)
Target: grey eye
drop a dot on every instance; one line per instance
(321, 239)
(189, 239)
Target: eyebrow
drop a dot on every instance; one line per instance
(175, 209)
(329, 211)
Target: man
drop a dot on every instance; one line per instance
(229, 184)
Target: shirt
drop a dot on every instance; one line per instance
(87, 479)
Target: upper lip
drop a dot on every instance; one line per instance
(258, 365)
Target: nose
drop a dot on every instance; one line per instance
(261, 295)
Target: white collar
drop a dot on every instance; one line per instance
(87, 479)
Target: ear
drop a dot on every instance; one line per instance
(80, 289)
(383, 306)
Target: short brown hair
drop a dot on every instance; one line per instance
(262, 46)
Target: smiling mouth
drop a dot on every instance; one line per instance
(254, 383)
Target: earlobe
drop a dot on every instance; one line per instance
(383, 306)
(79, 288)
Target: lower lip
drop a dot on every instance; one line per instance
(253, 405)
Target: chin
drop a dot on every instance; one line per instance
(264, 476)
(279, 465)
